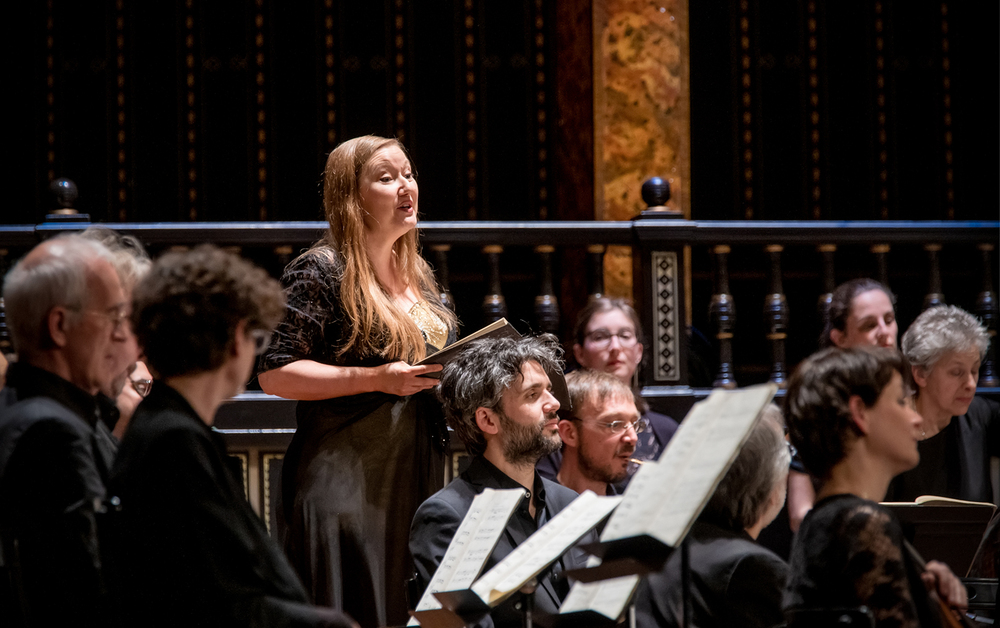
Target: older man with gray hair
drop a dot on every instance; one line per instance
(68, 320)
(67, 315)
(497, 396)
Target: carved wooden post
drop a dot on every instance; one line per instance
(829, 284)
(441, 268)
(986, 309)
(722, 311)
(776, 315)
(494, 305)
(881, 252)
(595, 270)
(546, 303)
(934, 295)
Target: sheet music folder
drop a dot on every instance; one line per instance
(529, 558)
(950, 532)
(664, 498)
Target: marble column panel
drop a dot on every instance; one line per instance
(641, 113)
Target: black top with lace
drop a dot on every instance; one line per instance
(849, 553)
(357, 467)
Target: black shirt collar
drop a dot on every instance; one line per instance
(505, 481)
(30, 381)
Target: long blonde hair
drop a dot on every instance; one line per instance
(376, 325)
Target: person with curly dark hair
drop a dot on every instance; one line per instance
(189, 550)
(850, 418)
(498, 396)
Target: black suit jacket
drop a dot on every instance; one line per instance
(53, 472)
(438, 518)
(734, 583)
(190, 551)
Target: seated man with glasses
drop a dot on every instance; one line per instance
(600, 436)
(189, 550)
(65, 309)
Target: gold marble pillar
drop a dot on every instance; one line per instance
(642, 117)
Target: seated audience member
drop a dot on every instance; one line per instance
(960, 432)
(849, 416)
(599, 434)
(609, 339)
(190, 551)
(497, 397)
(131, 262)
(862, 313)
(734, 581)
(66, 314)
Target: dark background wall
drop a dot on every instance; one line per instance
(225, 110)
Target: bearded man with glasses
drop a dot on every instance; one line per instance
(600, 436)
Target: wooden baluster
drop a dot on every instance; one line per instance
(881, 252)
(776, 315)
(494, 305)
(829, 285)
(6, 346)
(986, 309)
(595, 270)
(441, 269)
(546, 303)
(934, 295)
(722, 311)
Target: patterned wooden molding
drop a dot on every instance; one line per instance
(666, 315)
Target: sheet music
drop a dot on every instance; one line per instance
(472, 544)
(665, 497)
(544, 546)
(607, 597)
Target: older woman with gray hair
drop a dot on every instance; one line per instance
(734, 581)
(960, 432)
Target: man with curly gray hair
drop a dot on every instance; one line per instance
(960, 431)
(498, 397)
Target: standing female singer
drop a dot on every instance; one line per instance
(849, 416)
(369, 448)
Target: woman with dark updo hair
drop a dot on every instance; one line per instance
(850, 417)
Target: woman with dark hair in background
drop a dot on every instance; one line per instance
(862, 313)
(849, 415)
(960, 431)
(370, 443)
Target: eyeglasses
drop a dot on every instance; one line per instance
(261, 340)
(617, 427)
(117, 314)
(601, 338)
(142, 386)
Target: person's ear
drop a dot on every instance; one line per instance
(487, 421)
(919, 376)
(859, 414)
(578, 354)
(568, 433)
(58, 326)
(837, 338)
(638, 353)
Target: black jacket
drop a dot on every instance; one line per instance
(53, 471)
(190, 551)
(734, 583)
(438, 518)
